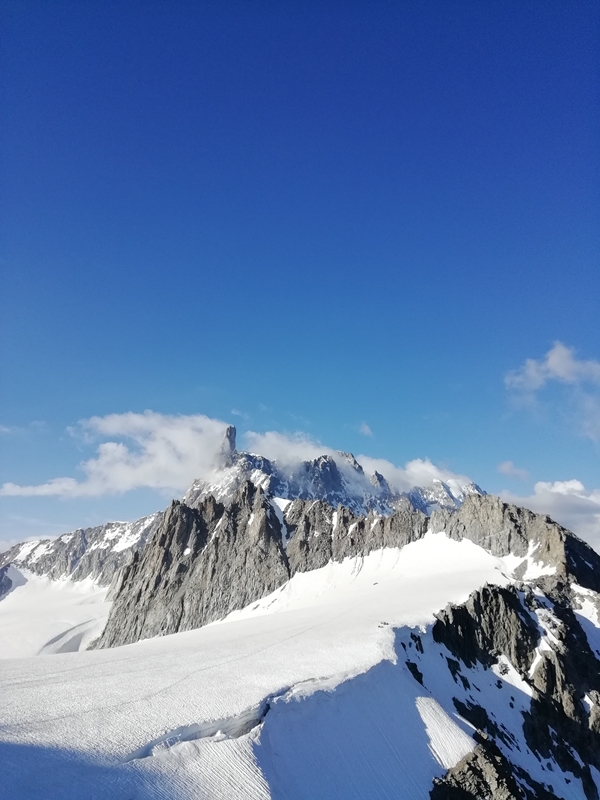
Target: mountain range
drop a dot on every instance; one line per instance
(100, 551)
(296, 631)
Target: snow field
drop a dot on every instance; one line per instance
(324, 640)
(40, 616)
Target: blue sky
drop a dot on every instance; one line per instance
(323, 218)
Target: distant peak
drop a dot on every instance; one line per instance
(349, 458)
(379, 481)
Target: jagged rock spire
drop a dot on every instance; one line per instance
(225, 454)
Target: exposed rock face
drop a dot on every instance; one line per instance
(539, 635)
(5, 582)
(204, 562)
(96, 553)
(504, 529)
(201, 564)
(483, 773)
(319, 534)
(491, 623)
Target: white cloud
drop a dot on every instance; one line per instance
(365, 429)
(569, 503)
(580, 378)
(162, 452)
(559, 364)
(418, 472)
(167, 453)
(508, 468)
(287, 448)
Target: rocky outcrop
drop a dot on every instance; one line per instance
(539, 634)
(487, 773)
(201, 564)
(319, 534)
(491, 623)
(5, 582)
(504, 529)
(96, 553)
(204, 562)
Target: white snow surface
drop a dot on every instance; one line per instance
(529, 567)
(41, 616)
(183, 716)
(588, 616)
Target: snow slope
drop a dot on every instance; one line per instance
(237, 709)
(44, 616)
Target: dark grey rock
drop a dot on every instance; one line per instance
(204, 562)
(319, 534)
(558, 723)
(5, 582)
(503, 529)
(226, 455)
(558, 727)
(201, 564)
(486, 774)
(491, 623)
(310, 526)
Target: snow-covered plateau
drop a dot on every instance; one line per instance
(262, 646)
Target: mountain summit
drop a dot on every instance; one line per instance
(336, 479)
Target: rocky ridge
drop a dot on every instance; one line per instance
(338, 480)
(519, 664)
(99, 552)
(204, 562)
(96, 553)
(537, 722)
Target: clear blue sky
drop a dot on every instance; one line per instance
(319, 214)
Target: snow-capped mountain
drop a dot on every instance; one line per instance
(208, 561)
(99, 552)
(448, 657)
(281, 645)
(95, 553)
(338, 480)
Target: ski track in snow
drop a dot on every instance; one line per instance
(167, 717)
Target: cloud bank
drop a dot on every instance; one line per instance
(418, 472)
(286, 448)
(167, 453)
(151, 450)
